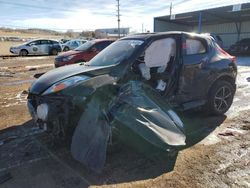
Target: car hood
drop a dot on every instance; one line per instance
(68, 53)
(61, 73)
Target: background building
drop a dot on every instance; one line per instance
(111, 32)
(231, 23)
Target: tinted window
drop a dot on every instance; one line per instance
(44, 42)
(37, 42)
(101, 45)
(53, 42)
(195, 46)
(74, 43)
(85, 46)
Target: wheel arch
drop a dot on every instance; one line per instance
(23, 49)
(227, 78)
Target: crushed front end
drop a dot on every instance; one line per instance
(51, 113)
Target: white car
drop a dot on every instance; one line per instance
(37, 47)
(72, 44)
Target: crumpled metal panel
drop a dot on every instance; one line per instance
(136, 106)
(140, 108)
(90, 139)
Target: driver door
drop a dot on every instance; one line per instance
(34, 47)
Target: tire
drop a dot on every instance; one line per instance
(66, 48)
(23, 53)
(220, 97)
(54, 52)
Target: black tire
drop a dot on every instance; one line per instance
(23, 53)
(66, 48)
(54, 52)
(220, 97)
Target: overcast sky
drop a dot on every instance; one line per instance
(93, 14)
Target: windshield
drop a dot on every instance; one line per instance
(116, 53)
(85, 46)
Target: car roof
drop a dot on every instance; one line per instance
(103, 40)
(145, 36)
(42, 39)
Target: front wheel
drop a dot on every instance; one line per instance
(23, 53)
(220, 97)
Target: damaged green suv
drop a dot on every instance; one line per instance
(132, 88)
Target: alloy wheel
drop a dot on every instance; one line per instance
(222, 98)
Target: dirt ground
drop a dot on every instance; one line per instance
(217, 152)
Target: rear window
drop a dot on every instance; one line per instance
(195, 46)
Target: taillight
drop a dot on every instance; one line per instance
(232, 58)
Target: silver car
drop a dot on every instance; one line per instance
(72, 44)
(37, 47)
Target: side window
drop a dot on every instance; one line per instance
(44, 42)
(37, 42)
(100, 46)
(195, 46)
(74, 43)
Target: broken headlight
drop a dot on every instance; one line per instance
(65, 84)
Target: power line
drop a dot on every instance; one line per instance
(34, 6)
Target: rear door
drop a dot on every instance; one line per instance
(194, 75)
(45, 46)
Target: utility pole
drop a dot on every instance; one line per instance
(170, 9)
(118, 17)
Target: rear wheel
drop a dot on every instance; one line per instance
(54, 52)
(220, 97)
(23, 53)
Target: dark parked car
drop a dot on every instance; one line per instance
(241, 47)
(132, 90)
(83, 53)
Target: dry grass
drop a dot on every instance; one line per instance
(5, 47)
(28, 35)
